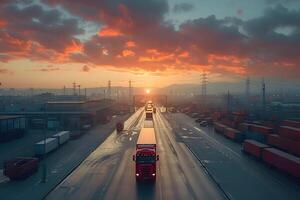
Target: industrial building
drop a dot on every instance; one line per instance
(11, 127)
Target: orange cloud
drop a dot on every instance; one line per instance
(127, 53)
(109, 32)
(2, 23)
(130, 44)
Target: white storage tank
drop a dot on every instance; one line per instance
(62, 137)
(44, 147)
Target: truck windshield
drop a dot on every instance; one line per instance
(145, 159)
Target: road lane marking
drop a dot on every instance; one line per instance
(213, 139)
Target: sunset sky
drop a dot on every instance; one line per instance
(155, 43)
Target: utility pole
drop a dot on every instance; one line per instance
(79, 90)
(74, 88)
(109, 90)
(263, 98)
(228, 101)
(85, 92)
(64, 90)
(203, 84)
(130, 93)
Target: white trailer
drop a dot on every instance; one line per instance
(62, 137)
(45, 146)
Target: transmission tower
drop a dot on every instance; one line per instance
(109, 90)
(130, 92)
(203, 84)
(74, 88)
(263, 96)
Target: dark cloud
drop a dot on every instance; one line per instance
(135, 36)
(32, 24)
(281, 1)
(182, 7)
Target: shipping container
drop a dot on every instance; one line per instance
(20, 168)
(219, 128)
(282, 161)
(244, 127)
(259, 137)
(261, 129)
(62, 137)
(44, 147)
(290, 132)
(291, 123)
(254, 148)
(233, 134)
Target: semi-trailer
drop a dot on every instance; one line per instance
(146, 155)
(62, 137)
(45, 146)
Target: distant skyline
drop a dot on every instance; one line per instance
(154, 43)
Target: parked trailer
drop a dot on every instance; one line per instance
(290, 132)
(44, 147)
(233, 134)
(20, 168)
(286, 144)
(62, 137)
(219, 128)
(254, 148)
(282, 161)
(291, 123)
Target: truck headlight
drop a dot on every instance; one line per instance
(137, 174)
(153, 174)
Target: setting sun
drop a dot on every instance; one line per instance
(147, 91)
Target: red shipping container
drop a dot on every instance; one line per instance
(244, 127)
(277, 141)
(231, 133)
(254, 148)
(283, 161)
(261, 129)
(219, 127)
(290, 132)
(291, 123)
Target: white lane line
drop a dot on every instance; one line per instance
(213, 139)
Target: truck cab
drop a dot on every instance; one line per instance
(145, 156)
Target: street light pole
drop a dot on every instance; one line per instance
(44, 173)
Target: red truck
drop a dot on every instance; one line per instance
(145, 156)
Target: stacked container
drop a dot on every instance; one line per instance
(254, 148)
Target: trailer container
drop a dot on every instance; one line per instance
(233, 134)
(275, 141)
(45, 146)
(291, 123)
(146, 155)
(259, 137)
(290, 132)
(20, 168)
(62, 137)
(282, 161)
(261, 129)
(219, 128)
(244, 127)
(254, 148)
